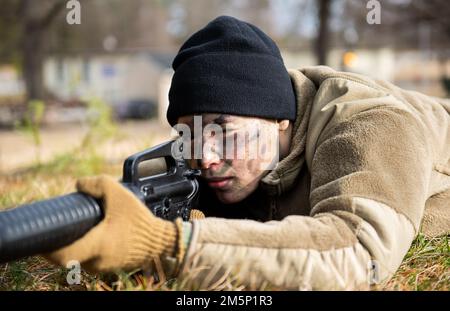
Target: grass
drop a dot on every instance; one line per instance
(425, 267)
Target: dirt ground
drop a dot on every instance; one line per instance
(17, 150)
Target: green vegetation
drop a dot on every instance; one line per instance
(101, 125)
(31, 124)
(426, 266)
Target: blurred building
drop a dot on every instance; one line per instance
(120, 79)
(409, 69)
(136, 84)
(10, 84)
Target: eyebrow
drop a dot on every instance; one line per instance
(221, 119)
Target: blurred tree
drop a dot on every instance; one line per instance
(24, 25)
(31, 29)
(9, 32)
(136, 25)
(401, 21)
(36, 20)
(421, 25)
(414, 24)
(322, 40)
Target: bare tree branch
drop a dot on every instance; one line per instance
(52, 14)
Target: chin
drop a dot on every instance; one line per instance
(229, 198)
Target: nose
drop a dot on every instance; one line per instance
(210, 160)
(211, 157)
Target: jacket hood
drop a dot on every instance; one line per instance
(283, 176)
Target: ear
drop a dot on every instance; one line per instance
(283, 125)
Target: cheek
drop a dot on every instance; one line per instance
(246, 170)
(235, 165)
(252, 167)
(238, 167)
(246, 173)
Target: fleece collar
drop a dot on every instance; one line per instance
(282, 178)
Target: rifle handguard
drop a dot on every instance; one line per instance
(46, 225)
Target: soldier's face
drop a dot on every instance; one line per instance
(233, 152)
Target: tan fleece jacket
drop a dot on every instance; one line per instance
(369, 163)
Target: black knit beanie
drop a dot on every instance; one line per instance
(230, 67)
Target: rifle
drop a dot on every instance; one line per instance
(47, 225)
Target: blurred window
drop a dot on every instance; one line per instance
(86, 70)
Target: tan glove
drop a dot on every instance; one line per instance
(196, 214)
(128, 237)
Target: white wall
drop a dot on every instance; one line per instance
(114, 79)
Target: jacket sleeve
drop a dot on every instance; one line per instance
(368, 189)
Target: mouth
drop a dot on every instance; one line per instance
(219, 182)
